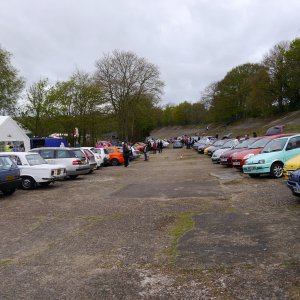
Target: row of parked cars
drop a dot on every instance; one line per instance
(42, 166)
(275, 155)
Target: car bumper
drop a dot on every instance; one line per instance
(294, 186)
(79, 170)
(12, 184)
(256, 169)
(287, 173)
(215, 160)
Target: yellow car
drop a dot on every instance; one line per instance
(291, 165)
(207, 148)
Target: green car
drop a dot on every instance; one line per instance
(273, 157)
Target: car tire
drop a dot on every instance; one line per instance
(73, 176)
(296, 194)
(254, 175)
(114, 162)
(277, 170)
(8, 192)
(28, 183)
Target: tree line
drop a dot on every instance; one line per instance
(123, 96)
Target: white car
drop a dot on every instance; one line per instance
(98, 158)
(35, 170)
(226, 147)
(103, 154)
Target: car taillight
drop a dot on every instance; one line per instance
(76, 162)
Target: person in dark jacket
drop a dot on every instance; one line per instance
(160, 146)
(126, 154)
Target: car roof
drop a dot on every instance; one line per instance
(52, 148)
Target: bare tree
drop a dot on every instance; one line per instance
(126, 79)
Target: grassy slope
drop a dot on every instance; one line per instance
(291, 121)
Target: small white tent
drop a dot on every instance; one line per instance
(11, 132)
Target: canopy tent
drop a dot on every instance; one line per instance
(11, 132)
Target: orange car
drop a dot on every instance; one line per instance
(115, 155)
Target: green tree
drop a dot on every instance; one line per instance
(127, 80)
(11, 84)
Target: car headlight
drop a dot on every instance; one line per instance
(248, 155)
(261, 161)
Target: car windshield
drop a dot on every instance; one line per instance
(220, 143)
(78, 153)
(260, 143)
(6, 163)
(275, 145)
(35, 159)
(245, 144)
(227, 145)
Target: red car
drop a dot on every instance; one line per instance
(239, 158)
(226, 157)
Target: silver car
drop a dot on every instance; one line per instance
(65, 156)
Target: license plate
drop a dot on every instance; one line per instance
(236, 163)
(10, 177)
(223, 159)
(251, 168)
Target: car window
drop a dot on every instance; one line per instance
(47, 153)
(79, 154)
(6, 163)
(293, 143)
(63, 154)
(275, 145)
(16, 159)
(35, 159)
(260, 143)
(227, 145)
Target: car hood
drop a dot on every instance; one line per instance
(218, 152)
(242, 154)
(268, 157)
(231, 152)
(293, 163)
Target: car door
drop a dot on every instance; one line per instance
(292, 147)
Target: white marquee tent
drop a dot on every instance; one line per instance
(11, 132)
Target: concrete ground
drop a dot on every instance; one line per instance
(175, 227)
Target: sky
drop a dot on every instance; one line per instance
(193, 42)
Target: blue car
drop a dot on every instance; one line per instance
(294, 182)
(9, 175)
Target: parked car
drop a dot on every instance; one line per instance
(229, 145)
(115, 156)
(239, 158)
(140, 146)
(34, 170)
(104, 157)
(291, 165)
(75, 165)
(205, 145)
(9, 175)
(90, 157)
(217, 145)
(273, 157)
(135, 152)
(293, 182)
(97, 157)
(177, 144)
(275, 130)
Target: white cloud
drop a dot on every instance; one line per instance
(194, 42)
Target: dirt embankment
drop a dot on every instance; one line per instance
(291, 121)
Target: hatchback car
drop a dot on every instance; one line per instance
(34, 170)
(177, 144)
(115, 155)
(9, 175)
(74, 165)
(291, 165)
(229, 145)
(273, 157)
(102, 153)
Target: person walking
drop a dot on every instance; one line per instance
(126, 154)
(145, 150)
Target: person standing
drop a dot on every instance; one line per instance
(8, 147)
(126, 153)
(145, 150)
(160, 146)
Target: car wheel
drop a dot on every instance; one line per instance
(296, 194)
(254, 175)
(8, 192)
(45, 183)
(73, 176)
(28, 183)
(277, 170)
(114, 162)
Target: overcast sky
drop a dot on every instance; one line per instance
(193, 42)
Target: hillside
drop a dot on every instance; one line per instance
(291, 121)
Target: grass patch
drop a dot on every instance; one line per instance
(290, 263)
(5, 262)
(184, 223)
